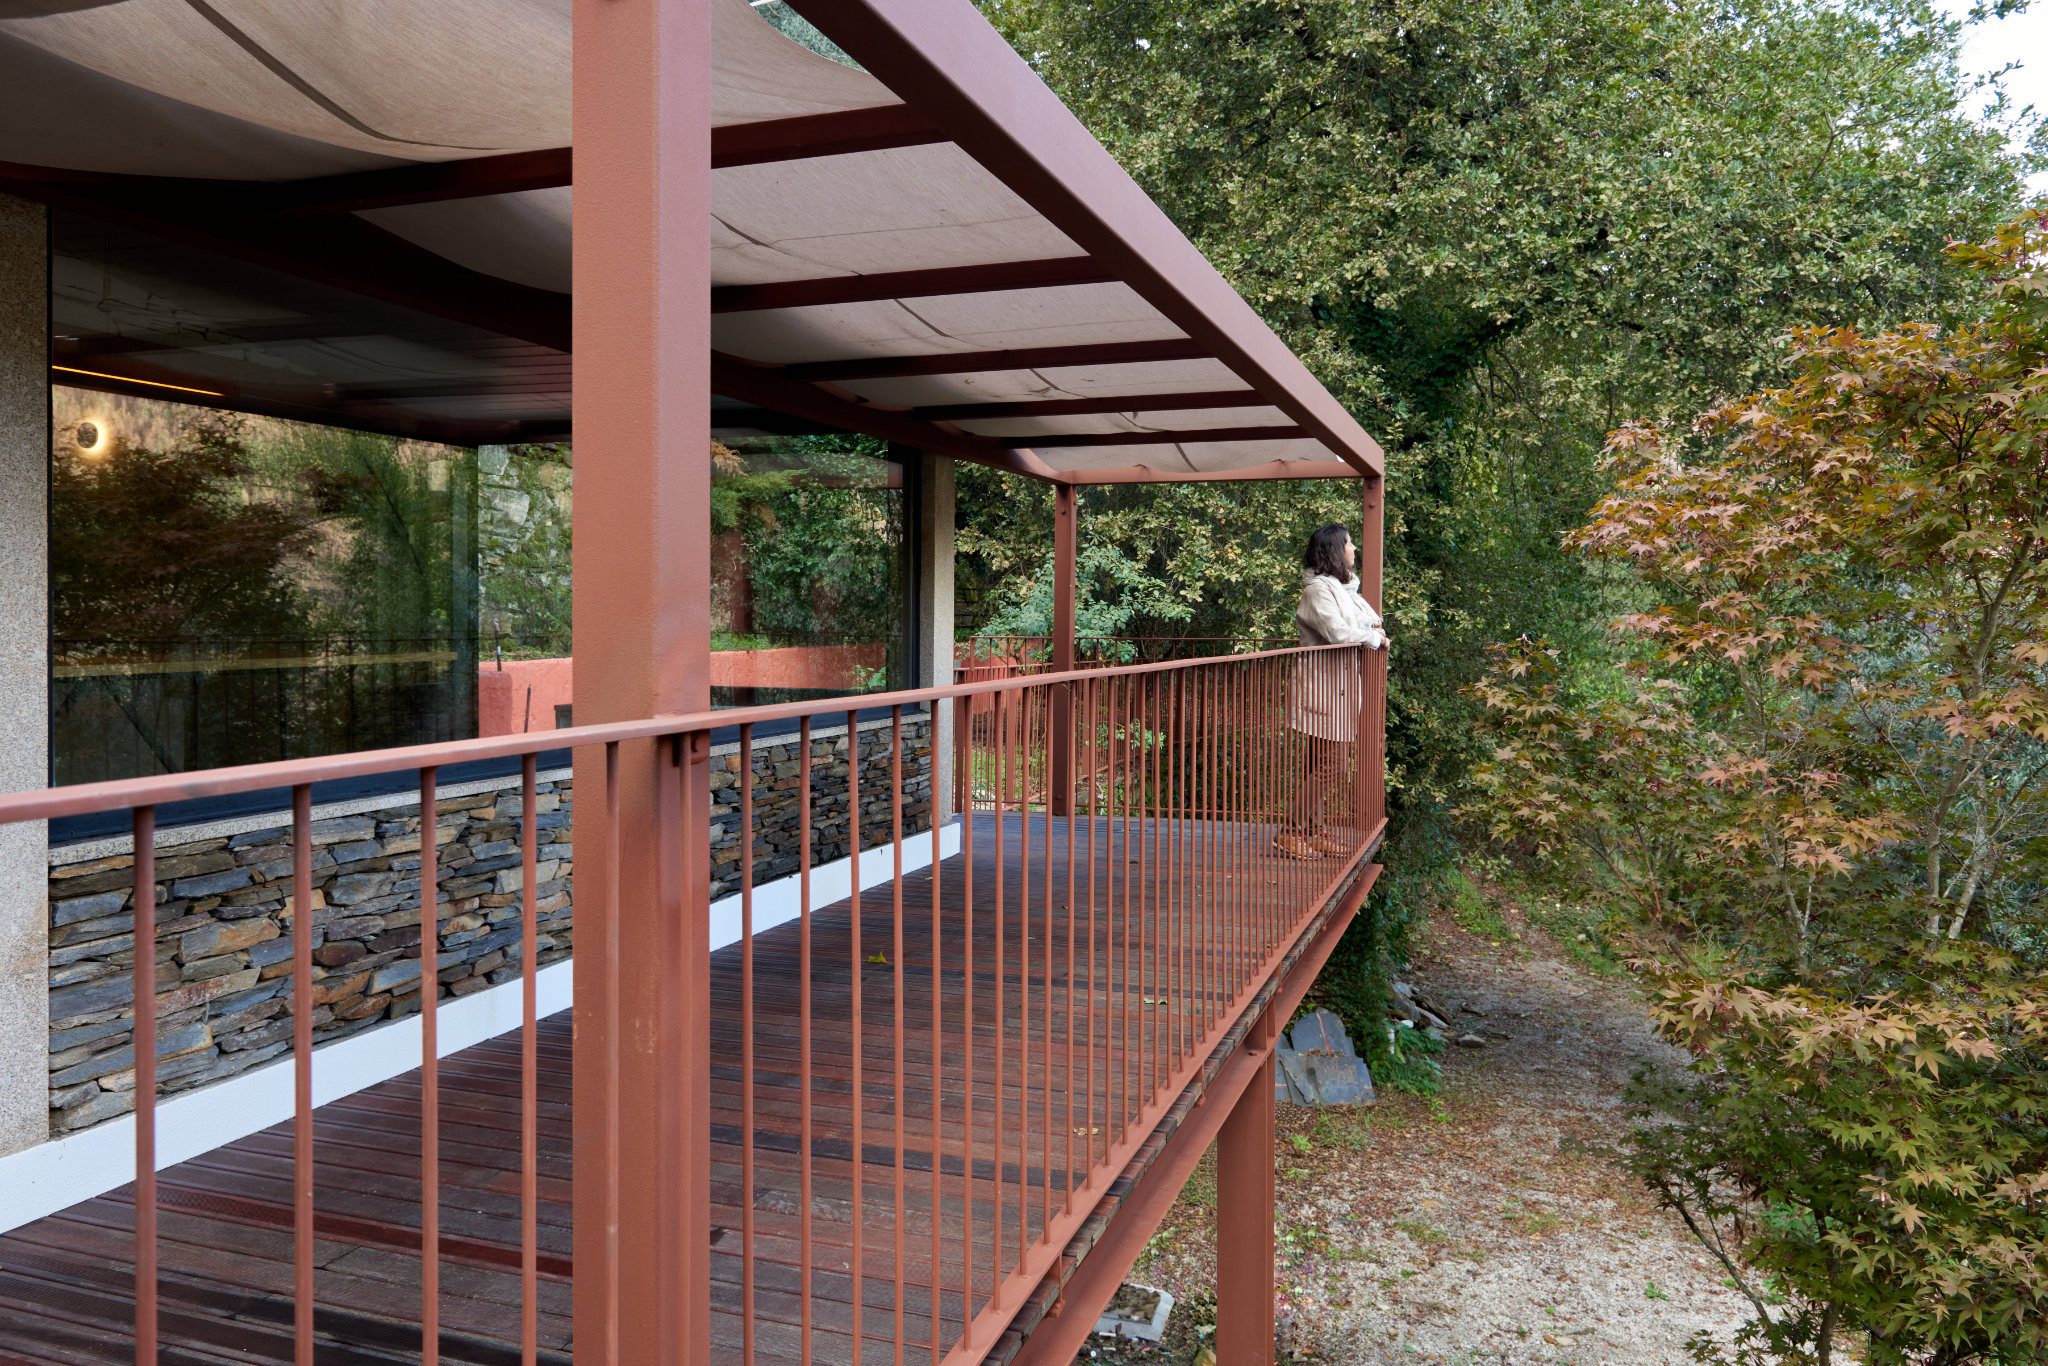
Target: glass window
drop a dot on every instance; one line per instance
(228, 589)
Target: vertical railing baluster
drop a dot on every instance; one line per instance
(746, 761)
(1028, 707)
(1094, 820)
(1005, 765)
(1073, 814)
(143, 826)
(967, 761)
(807, 1266)
(529, 1061)
(855, 1044)
(302, 1074)
(430, 1075)
(938, 1047)
(896, 998)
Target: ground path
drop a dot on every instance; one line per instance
(1489, 1224)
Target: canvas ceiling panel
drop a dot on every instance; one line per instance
(968, 322)
(336, 361)
(524, 238)
(908, 208)
(108, 125)
(128, 301)
(1194, 419)
(757, 74)
(425, 79)
(1020, 386)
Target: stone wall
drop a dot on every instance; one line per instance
(777, 771)
(223, 939)
(224, 913)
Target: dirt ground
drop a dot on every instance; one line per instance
(1489, 1224)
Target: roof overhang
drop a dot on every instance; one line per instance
(315, 220)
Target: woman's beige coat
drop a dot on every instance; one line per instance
(1323, 694)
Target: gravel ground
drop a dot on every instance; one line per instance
(1489, 1224)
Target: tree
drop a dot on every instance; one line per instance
(1826, 755)
(1495, 230)
(149, 547)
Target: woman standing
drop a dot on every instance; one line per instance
(1323, 695)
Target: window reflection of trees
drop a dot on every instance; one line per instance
(238, 590)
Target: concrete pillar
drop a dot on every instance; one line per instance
(24, 669)
(935, 614)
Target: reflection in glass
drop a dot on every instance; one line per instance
(228, 589)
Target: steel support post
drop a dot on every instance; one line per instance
(1244, 1218)
(1372, 717)
(642, 339)
(1065, 513)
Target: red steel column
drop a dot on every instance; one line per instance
(1244, 1218)
(1372, 728)
(642, 637)
(1064, 515)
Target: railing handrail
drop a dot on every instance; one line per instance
(164, 788)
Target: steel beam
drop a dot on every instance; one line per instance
(1096, 403)
(1173, 437)
(821, 135)
(992, 278)
(973, 362)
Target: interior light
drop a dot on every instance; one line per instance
(130, 379)
(89, 436)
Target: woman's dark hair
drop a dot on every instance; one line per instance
(1325, 553)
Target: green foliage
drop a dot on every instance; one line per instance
(523, 574)
(1881, 1158)
(394, 573)
(822, 535)
(1471, 909)
(1854, 584)
(164, 545)
(1493, 231)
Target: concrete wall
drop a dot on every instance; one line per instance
(935, 616)
(24, 663)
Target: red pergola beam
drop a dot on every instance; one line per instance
(1101, 403)
(961, 74)
(910, 284)
(976, 362)
(1278, 469)
(426, 183)
(821, 135)
(1173, 438)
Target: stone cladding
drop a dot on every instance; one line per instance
(778, 770)
(223, 940)
(224, 913)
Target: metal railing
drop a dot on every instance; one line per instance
(920, 1093)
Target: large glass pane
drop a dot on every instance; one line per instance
(808, 569)
(230, 589)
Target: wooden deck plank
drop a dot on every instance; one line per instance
(1072, 995)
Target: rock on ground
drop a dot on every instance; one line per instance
(1490, 1224)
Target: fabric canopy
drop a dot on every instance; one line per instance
(360, 211)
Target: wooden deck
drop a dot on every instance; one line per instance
(1130, 982)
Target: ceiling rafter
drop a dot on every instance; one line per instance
(991, 278)
(973, 362)
(1095, 403)
(821, 135)
(1170, 438)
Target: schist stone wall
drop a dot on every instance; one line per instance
(223, 939)
(777, 765)
(224, 913)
